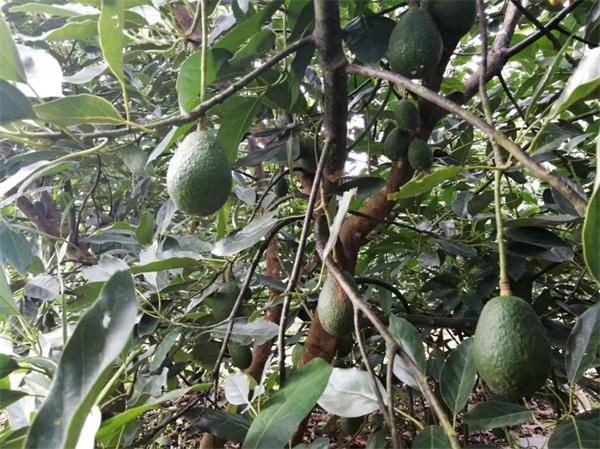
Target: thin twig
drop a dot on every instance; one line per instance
(555, 180)
(291, 285)
(239, 299)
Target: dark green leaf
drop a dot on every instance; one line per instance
(7, 366)
(256, 47)
(7, 397)
(431, 437)
(583, 343)
(366, 185)
(592, 28)
(580, 432)
(13, 104)
(411, 342)
(458, 377)
(457, 248)
(85, 364)
(15, 249)
(227, 426)
(145, 230)
(535, 236)
(367, 37)
(493, 414)
(237, 115)
(276, 424)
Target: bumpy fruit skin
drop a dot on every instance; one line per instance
(241, 356)
(415, 46)
(395, 145)
(511, 350)
(222, 300)
(407, 115)
(336, 315)
(420, 155)
(199, 177)
(454, 18)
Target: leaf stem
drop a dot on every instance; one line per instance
(204, 49)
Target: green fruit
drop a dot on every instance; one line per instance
(454, 18)
(222, 300)
(415, 46)
(407, 115)
(345, 345)
(335, 309)
(420, 155)
(199, 177)
(351, 426)
(241, 356)
(206, 353)
(510, 349)
(281, 187)
(395, 145)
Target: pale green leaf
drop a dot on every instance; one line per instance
(493, 414)
(78, 109)
(458, 377)
(425, 184)
(431, 437)
(237, 115)
(591, 231)
(11, 67)
(110, 30)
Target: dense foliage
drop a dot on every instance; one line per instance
(126, 322)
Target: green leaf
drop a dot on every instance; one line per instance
(534, 235)
(11, 67)
(367, 37)
(145, 230)
(73, 31)
(237, 115)
(13, 104)
(85, 364)
(7, 366)
(591, 231)
(111, 428)
(40, 8)
(15, 249)
(110, 31)
(533, 104)
(458, 377)
(431, 437)
(493, 414)
(227, 426)
(579, 432)
(410, 340)
(276, 424)
(78, 109)
(583, 343)
(241, 32)
(583, 82)
(255, 48)
(592, 28)
(425, 184)
(188, 78)
(7, 397)
(7, 303)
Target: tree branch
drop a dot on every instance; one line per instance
(556, 181)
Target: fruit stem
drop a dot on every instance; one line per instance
(503, 281)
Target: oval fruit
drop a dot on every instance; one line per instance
(510, 348)
(454, 18)
(415, 46)
(420, 155)
(281, 187)
(395, 145)
(241, 356)
(222, 300)
(335, 309)
(407, 115)
(199, 177)
(351, 426)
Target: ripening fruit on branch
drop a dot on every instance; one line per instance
(420, 155)
(395, 145)
(454, 18)
(415, 46)
(199, 177)
(334, 309)
(510, 348)
(407, 115)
